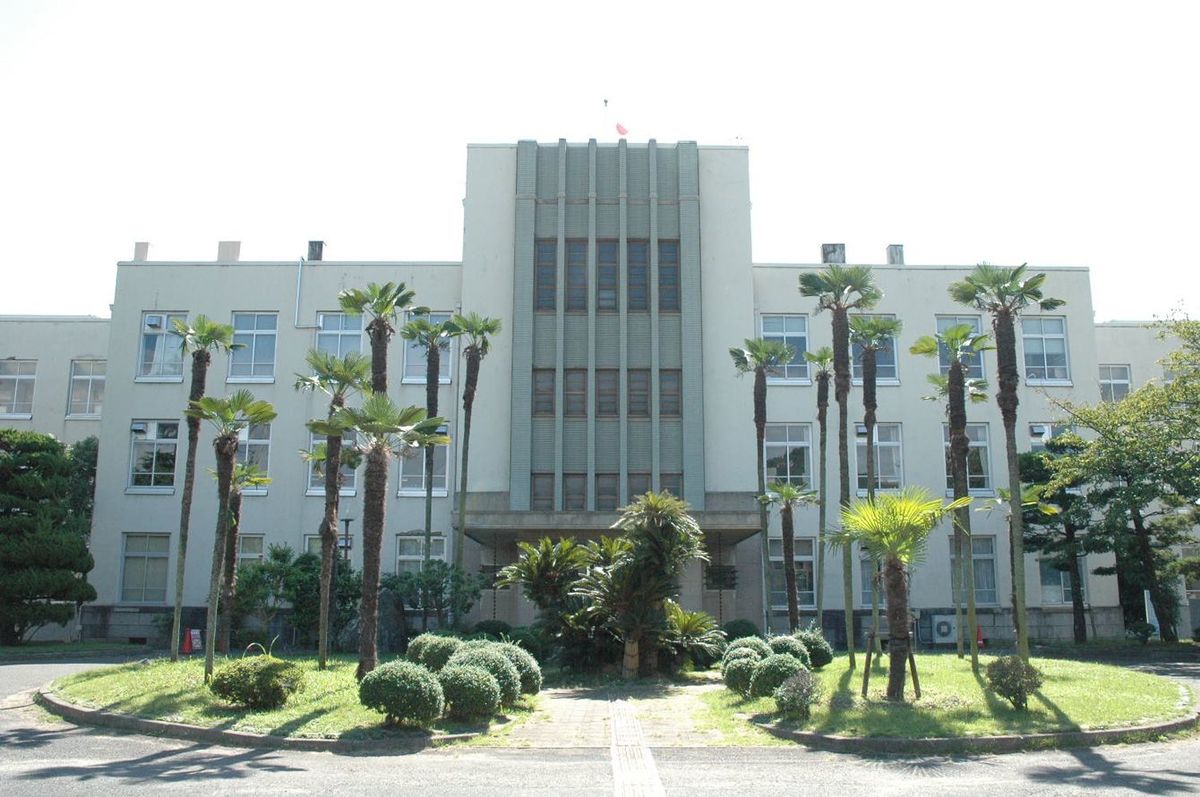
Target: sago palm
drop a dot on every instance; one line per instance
(201, 340)
(821, 367)
(382, 303)
(788, 497)
(761, 357)
(1005, 293)
(245, 476)
(840, 289)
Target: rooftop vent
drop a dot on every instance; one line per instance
(833, 253)
(228, 251)
(316, 250)
(141, 250)
(895, 254)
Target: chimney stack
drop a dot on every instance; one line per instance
(141, 250)
(895, 254)
(228, 251)
(316, 249)
(833, 253)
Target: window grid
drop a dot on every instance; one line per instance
(254, 448)
(577, 277)
(574, 492)
(339, 334)
(1056, 584)
(979, 468)
(415, 359)
(671, 483)
(788, 452)
(251, 548)
(87, 387)
(1045, 342)
(161, 349)
(607, 393)
(17, 379)
(412, 469)
(889, 457)
(575, 393)
(638, 405)
(152, 461)
(983, 556)
(885, 358)
(607, 267)
(974, 362)
(543, 391)
(410, 551)
(255, 335)
(638, 283)
(545, 274)
(316, 475)
(668, 276)
(806, 593)
(607, 494)
(541, 488)
(144, 568)
(793, 331)
(639, 484)
(1115, 382)
(670, 393)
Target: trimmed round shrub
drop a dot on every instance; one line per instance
(771, 672)
(754, 643)
(739, 673)
(797, 695)
(405, 692)
(526, 664)
(469, 691)
(741, 653)
(819, 650)
(477, 644)
(261, 682)
(792, 647)
(1014, 679)
(493, 628)
(736, 629)
(498, 665)
(432, 650)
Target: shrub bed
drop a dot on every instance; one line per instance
(771, 672)
(740, 654)
(432, 650)
(498, 665)
(739, 673)
(820, 652)
(752, 642)
(261, 682)
(527, 666)
(1014, 679)
(469, 691)
(796, 696)
(405, 692)
(790, 646)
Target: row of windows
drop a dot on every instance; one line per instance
(637, 276)
(85, 394)
(607, 403)
(161, 352)
(575, 489)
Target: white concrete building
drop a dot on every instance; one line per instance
(623, 274)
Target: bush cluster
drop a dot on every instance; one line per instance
(469, 691)
(754, 643)
(736, 629)
(790, 646)
(1014, 679)
(796, 696)
(496, 664)
(820, 652)
(432, 650)
(405, 692)
(260, 682)
(739, 673)
(741, 653)
(527, 666)
(771, 672)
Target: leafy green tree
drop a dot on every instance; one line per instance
(382, 304)
(44, 559)
(201, 340)
(761, 357)
(84, 455)
(841, 289)
(1006, 293)
(821, 364)
(447, 590)
(545, 572)
(788, 496)
(245, 476)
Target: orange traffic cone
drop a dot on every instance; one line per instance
(979, 635)
(187, 641)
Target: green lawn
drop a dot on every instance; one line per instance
(328, 707)
(52, 650)
(954, 703)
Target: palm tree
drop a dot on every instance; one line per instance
(821, 361)
(245, 475)
(433, 337)
(840, 289)
(893, 529)
(228, 416)
(787, 495)
(761, 357)
(382, 303)
(960, 343)
(475, 329)
(336, 377)
(1005, 293)
(381, 428)
(201, 340)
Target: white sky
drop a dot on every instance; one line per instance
(1053, 133)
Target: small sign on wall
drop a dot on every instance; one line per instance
(194, 633)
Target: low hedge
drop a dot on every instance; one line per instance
(495, 663)
(790, 646)
(526, 664)
(260, 682)
(820, 652)
(405, 692)
(432, 650)
(739, 673)
(771, 672)
(754, 643)
(469, 691)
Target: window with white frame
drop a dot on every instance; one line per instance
(312, 544)
(1045, 343)
(788, 452)
(1056, 583)
(791, 330)
(983, 557)
(16, 387)
(254, 448)
(1042, 433)
(254, 358)
(805, 585)
(1115, 382)
(251, 548)
(87, 388)
(885, 359)
(316, 474)
(161, 350)
(412, 469)
(974, 361)
(979, 467)
(415, 360)
(339, 334)
(410, 551)
(152, 457)
(144, 568)
(889, 456)
(1191, 586)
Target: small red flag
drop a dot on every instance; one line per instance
(621, 129)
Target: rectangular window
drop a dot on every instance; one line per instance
(668, 276)
(251, 548)
(339, 334)
(316, 476)
(543, 391)
(1056, 584)
(575, 393)
(639, 393)
(1045, 343)
(574, 492)
(670, 393)
(415, 360)
(254, 448)
(607, 495)
(607, 268)
(577, 277)
(806, 594)
(638, 266)
(16, 387)
(545, 274)
(1191, 586)
(412, 469)
(866, 578)
(254, 334)
(607, 393)
(793, 331)
(788, 452)
(1042, 433)
(639, 484)
(983, 556)
(542, 492)
(312, 544)
(979, 468)
(410, 551)
(974, 361)
(152, 462)
(87, 387)
(889, 459)
(1115, 382)
(162, 350)
(144, 570)
(671, 483)
(885, 359)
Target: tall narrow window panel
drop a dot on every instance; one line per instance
(670, 393)
(791, 330)
(638, 282)
(1115, 382)
(639, 484)
(1056, 583)
(577, 277)
(668, 276)
(607, 268)
(161, 353)
(574, 492)
(607, 393)
(979, 469)
(416, 360)
(541, 486)
(788, 451)
(889, 460)
(412, 470)
(545, 274)
(638, 404)
(144, 568)
(87, 387)
(254, 448)
(806, 594)
(984, 558)
(1045, 343)
(885, 359)
(152, 457)
(575, 393)
(671, 483)
(607, 493)
(16, 387)
(254, 338)
(974, 361)
(543, 391)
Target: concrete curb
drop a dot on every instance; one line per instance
(194, 733)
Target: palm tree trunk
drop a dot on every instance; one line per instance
(959, 448)
(632, 658)
(967, 557)
(841, 373)
(229, 585)
(760, 431)
(822, 468)
(432, 368)
(870, 404)
(379, 331)
(226, 450)
(898, 627)
(374, 506)
(1078, 614)
(200, 361)
(789, 567)
(1160, 598)
(1006, 397)
(329, 532)
(469, 384)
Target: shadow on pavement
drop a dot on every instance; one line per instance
(1095, 770)
(188, 763)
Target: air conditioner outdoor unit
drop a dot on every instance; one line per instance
(945, 629)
